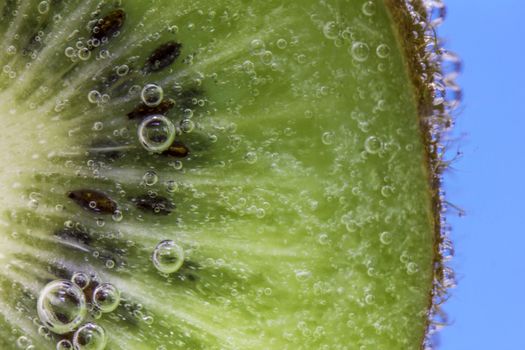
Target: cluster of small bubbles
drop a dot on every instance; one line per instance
(359, 51)
(168, 256)
(106, 297)
(156, 133)
(172, 186)
(64, 344)
(94, 96)
(369, 8)
(383, 51)
(187, 125)
(61, 306)
(81, 279)
(122, 70)
(43, 7)
(117, 216)
(250, 157)
(11, 50)
(373, 145)
(328, 137)
(152, 95)
(150, 178)
(90, 337)
(281, 43)
(385, 237)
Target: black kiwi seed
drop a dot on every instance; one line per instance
(162, 57)
(94, 201)
(74, 235)
(157, 205)
(142, 110)
(108, 25)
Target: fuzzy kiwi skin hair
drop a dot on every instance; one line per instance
(296, 186)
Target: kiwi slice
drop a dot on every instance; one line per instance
(216, 175)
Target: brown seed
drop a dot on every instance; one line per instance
(108, 25)
(162, 57)
(142, 110)
(156, 205)
(94, 201)
(177, 150)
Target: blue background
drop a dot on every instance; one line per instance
(487, 309)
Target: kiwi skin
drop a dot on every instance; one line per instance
(280, 200)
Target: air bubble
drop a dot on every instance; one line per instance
(369, 8)
(168, 256)
(385, 238)
(94, 96)
(250, 157)
(150, 178)
(302, 275)
(117, 216)
(122, 70)
(281, 43)
(383, 51)
(373, 145)
(22, 342)
(61, 306)
(386, 191)
(11, 50)
(156, 133)
(106, 297)
(69, 52)
(412, 268)
(81, 279)
(328, 138)
(64, 344)
(257, 46)
(171, 186)
(90, 337)
(84, 54)
(152, 95)
(359, 51)
(97, 126)
(267, 57)
(330, 30)
(187, 125)
(43, 7)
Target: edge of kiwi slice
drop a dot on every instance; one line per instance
(88, 246)
(425, 58)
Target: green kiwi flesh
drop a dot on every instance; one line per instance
(297, 184)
